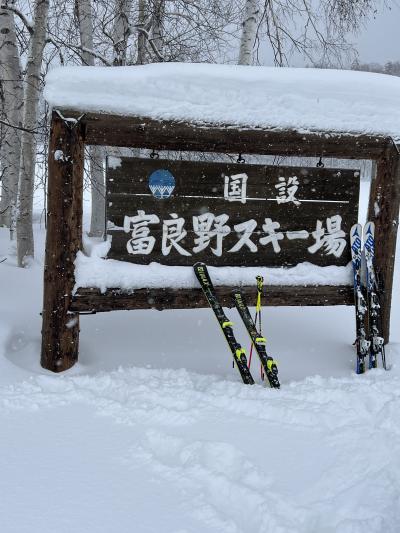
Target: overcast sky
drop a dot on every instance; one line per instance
(380, 40)
(377, 41)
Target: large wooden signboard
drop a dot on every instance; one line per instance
(306, 213)
(180, 212)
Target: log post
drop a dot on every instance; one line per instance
(383, 209)
(60, 330)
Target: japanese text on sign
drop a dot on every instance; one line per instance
(210, 230)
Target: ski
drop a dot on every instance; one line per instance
(238, 353)
(377, 346)
(362, 343)
(268, 363)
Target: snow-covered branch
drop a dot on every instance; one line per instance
(151, 42)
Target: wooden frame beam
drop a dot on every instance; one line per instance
(142, 132)
(92, 300)
(383, 209)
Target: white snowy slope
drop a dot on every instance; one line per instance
(268, 97)
(153, 432)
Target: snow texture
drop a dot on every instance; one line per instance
(303, 99)
(210, 456)
(114, 162)
(92, 270)
(59, 155)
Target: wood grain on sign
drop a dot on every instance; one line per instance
(93, 300)
(311, 194)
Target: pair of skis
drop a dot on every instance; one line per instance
(369, 340)
(239, 356)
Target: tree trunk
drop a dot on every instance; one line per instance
(158, 18)
(96, 153)
(249, 32)
(121, 30)
(84, 14)
(141, 42)
(12, 100)
(25, 244)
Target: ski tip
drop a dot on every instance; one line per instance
(369, 228)
(356, 230)
(199, 264)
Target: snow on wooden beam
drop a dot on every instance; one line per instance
(298, 99)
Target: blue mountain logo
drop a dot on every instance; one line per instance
(161, 184)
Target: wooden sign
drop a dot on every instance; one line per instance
(311, 211)
(180, 212)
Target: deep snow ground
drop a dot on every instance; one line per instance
(153, 431)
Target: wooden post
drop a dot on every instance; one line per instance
(384, 203)
(60, 331)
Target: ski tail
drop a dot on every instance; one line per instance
(369, 249)
(238, 353)
(362, 343)
(268, 363)
(377, 344)
(356, 249)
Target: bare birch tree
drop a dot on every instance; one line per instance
(96, 153)
(12, 102)
(157, 28)
(25, 242)
(141, 39)
(249, 32)
(122, 30)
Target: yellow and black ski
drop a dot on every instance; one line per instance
(268, 363)
(238, 352)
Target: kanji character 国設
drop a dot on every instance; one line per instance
(235, 189)
(287, 190)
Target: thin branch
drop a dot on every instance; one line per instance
(78, 48)
(5, 123)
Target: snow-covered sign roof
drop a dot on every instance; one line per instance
(301, 99)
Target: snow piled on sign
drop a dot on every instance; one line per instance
(303, 99)
(92, 270)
